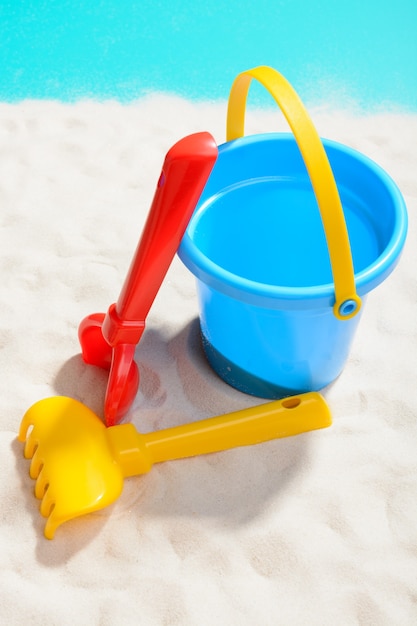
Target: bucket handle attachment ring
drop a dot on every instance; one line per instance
(347, 302)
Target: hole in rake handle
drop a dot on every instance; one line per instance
(291, 403)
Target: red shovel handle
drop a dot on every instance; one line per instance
(185, 171)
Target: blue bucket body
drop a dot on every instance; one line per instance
(257, 247)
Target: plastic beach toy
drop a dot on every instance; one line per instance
(79, 464)
(289, 236)
(109, 341)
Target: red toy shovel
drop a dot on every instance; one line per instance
(109, 340)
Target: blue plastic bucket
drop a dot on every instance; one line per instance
(258, 245)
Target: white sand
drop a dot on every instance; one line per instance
(316, 530)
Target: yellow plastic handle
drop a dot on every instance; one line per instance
(135, 453)
(347, 302)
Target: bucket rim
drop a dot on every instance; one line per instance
(266, 294)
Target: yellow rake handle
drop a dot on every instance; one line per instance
(135, 453)
(347, 302)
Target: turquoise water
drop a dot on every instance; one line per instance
(362, 51)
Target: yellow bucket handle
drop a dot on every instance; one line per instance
(347, 302)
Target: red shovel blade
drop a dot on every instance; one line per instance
(123, 381)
